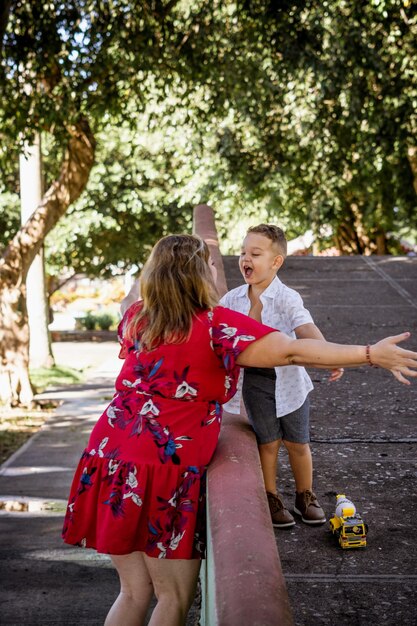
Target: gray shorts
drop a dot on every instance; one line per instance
(258, 392)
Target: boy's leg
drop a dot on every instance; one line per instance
(301, 462)
(296, 429)
(268, 454)
(258, 392)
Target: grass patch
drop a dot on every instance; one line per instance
(56, 376)
(16, 427)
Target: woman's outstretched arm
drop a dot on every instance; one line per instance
(278, 349)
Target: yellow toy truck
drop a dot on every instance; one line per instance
(347, 525)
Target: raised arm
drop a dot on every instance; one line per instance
(278, 349)
(131, 297)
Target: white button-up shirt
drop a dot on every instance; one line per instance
(283, 309)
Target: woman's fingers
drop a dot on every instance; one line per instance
(399, 338)
(401, 372)
(398, 375)
(407, 361)
(406, 371)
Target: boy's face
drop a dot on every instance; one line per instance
(259, 260)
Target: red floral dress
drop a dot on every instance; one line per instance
(140, 481)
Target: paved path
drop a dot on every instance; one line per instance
(45, 582)
(364, 440)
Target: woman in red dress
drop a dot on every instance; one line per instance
(138, 492)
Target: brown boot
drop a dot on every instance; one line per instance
(281, 517)
(306, 505)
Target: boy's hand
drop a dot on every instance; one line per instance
(336, 374)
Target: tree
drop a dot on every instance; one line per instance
(31, 191)
(307, 108)
(332, 135)
(65, 67)
(14, 379)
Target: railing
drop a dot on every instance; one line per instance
(242, 580)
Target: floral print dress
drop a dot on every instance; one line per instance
(139, 485)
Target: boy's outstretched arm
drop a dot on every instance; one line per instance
(311, 331)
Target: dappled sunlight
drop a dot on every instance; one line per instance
(408, 260)
(16, 505)
(25, 471)
(69, 554)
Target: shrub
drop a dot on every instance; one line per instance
(89, 321)
(104, 321)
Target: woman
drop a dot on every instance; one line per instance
(138, 493)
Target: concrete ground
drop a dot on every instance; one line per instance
(45, 582)
(364, 442)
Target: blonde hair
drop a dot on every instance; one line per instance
(176, 282)
(274, 233)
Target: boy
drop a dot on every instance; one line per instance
(276, 400)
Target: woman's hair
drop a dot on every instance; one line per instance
(176, 282)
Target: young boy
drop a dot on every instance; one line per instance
(276, 400)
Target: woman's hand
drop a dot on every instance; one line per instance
(386, 353)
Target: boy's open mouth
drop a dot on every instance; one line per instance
(247, 271)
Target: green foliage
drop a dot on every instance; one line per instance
(92, 321)
(9, 217)
(330, 137)
(89, 321)
(105, 321)
(299, 112)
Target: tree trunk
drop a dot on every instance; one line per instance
(412, 159)
(381, 242)
(31, 191)
(15, 386)
(352, 237)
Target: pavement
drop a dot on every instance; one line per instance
(364, 443)
(44, 581)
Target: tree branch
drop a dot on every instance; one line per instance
(75, 170)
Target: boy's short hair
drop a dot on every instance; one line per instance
(274, 233)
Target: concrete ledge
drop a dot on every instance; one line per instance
(242, 580)
(244, 576)
(97, 336)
